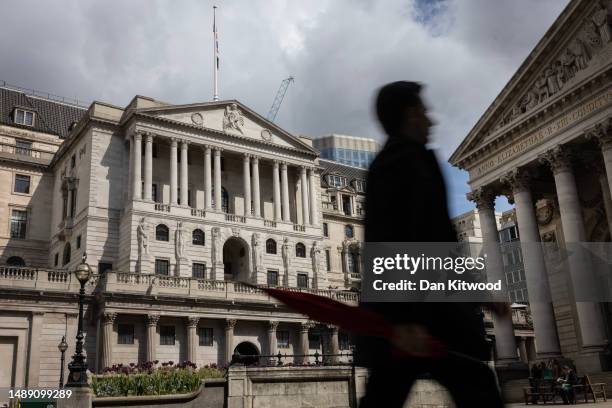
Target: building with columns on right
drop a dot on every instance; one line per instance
(546, 143)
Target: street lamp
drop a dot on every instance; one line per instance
(78, 365)
(62, 347)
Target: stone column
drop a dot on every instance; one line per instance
(130, 185)
(540, 302)
(229, 339)
(173, 172)
(272, 346)
(152, 337)
(505, 344)
(313, 196)
(184, 175)
(148, 168)
(246, 183)
(304, 191)
(36, 325)
(255, 188)
(108, 319)
(277, 191)
(523, 350)
(207, 179)
(304, 345)
(589, 313)
(137, 171)
(602, 134)
(218, 179)
(334, 347)
(285, 193)
(192, 338)
(607, 197)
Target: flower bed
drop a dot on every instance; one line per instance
(152, 378)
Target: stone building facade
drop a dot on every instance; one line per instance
(545, 143)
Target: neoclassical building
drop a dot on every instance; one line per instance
(176, 207)
(545, 142)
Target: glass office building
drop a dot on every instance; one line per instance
(350, 150)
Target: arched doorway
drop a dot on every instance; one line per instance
(246, 353)
(236, 259)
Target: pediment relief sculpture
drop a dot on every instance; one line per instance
(594, 34)
(233, 119)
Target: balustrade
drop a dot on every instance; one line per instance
(162, 207)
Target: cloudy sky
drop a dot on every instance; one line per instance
(339, 51)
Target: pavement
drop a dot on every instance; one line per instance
(607, 404)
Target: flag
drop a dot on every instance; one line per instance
(216, 35)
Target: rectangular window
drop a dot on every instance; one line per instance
(126, 333)
(314, 341)
(23, 117)
(327, 260)
(282, 339)
(56, 260)
(162, 267)
(344, 341)
(325, 229)
(22, 184)
(64, 206)
(19, 221)
(104, 267)
(154, 195)
(273, 278)
(73, 161)
(302, 280)
(167, 336)
(205, 335)
(198, 270)
(78, 242)
(23, 147)
(73, 201)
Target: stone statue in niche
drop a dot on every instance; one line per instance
(179, 238)
(601, 18)
(286, 252)
(217, 254)
(232, 118)
(143, 238)
(315, 254)
(257, 252)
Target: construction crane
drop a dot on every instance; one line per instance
(279, 98)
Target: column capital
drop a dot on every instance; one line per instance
(602, 134)
(149, 137)
(217, 150)
(559, 159)
(332, 327)
(272, 325)
(184, 143)
(276, 162)
(192, 321)
(518, 180)
(230, 324)
(247, 156)
(152, 319)
(255, 159)
(206, 148)
(305, 326)
(138, 135)
(109, 317)
(173, 141)
(283, 165)
(484, 197)
(303, 169)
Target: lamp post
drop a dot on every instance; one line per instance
(62, 347)
(78, 365)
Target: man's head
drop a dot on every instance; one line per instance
(401, 111)
(566, 369)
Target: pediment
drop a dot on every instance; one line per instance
(229, 117)
(576, 47)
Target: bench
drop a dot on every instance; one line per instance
(539, 390)
(585, 387)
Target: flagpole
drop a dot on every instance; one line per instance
(215, 55)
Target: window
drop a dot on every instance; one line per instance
(73, 161)
(327, 260)
(349, 232)
(352, 262)
(300, 250)
(178, 198)
(154, 195)
(302, 280)
(325, 230)
(15, 261)
(282, 339)
(22, 184)
(198, 270)
(167, 336)
(346, 205)
(78, 242)
(162, 267)
(360, 186)
(23, 147)
(23, 117)
(197, 237)
(56, 259)
(224, 199)
(270, 246)
(126, 333)
(19, 221)
(104, 267)
(66, 256)
(314, 341)
(272, 278)
(162, 233)
(64, 205)
(73, 201)
(205, 335)
(344, 342)
(336, 181)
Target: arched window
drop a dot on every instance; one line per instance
(300, 250)
(66, 256)
(197, 237)
(15, 261)
(224, 199)
(349, 232)
(352, 262)
(270, 246)
(162, 233)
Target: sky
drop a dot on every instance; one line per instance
(339, 51)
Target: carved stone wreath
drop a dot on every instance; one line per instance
(266, 135)
(197, 119)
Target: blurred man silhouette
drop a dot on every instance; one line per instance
(406, 202)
